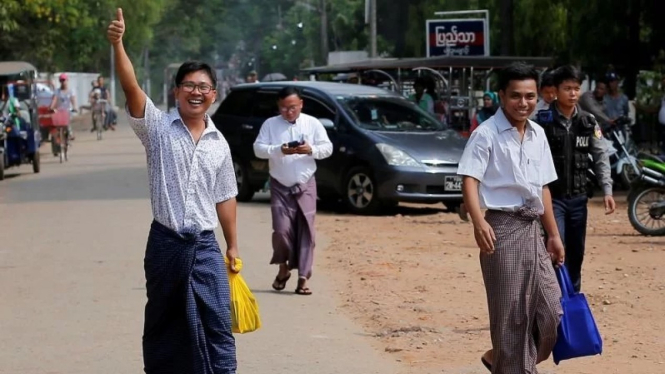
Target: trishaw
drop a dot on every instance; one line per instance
(458, 82)
(20, 136)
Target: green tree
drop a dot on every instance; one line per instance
(69, 34)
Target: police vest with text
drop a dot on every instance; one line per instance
(570, 150)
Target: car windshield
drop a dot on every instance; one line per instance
(393, 114)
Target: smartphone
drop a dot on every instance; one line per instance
(295, 144)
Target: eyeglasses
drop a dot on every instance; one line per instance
(204, 88)
(289, 109)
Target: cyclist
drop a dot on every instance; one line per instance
(64, 98)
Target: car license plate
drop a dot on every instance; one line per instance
(453, 183)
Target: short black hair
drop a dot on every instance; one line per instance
(547, 80)
(193, 66)
(567, 73)
(420, 81)
(517, 71)
(288, 91)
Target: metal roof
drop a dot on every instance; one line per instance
(15, 67)
(331, 88)
(478, 62)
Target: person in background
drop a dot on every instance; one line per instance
(488, 110)
(252, 77)
(506, 168)
(94, 91)
(430, 89)
(574, 135)
(420, 97)
(187, 323)
(111, 117)
(94, 95)
(64, 99)
(616, 103)
(292, 142)
(594, 102)
(547, 93)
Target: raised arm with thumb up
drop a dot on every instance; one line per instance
(116, 28)
(136, 98)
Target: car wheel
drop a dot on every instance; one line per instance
(2, 166)
(245, 191)
(361, 192)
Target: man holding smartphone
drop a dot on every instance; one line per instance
(292, 142)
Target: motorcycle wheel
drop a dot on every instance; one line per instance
(639, 202)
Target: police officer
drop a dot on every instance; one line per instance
(573, 135)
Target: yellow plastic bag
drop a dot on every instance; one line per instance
(244, 308)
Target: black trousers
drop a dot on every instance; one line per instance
(571, 216)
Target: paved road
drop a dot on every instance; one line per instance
(71, 278)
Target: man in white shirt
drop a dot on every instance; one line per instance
(292, 142)
(506, 166)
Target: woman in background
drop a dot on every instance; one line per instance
(489, 108)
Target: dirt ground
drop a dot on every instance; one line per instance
(413, 281)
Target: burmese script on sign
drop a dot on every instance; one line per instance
(456, 43)
(453, 38)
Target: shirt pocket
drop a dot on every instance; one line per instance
(533, 166)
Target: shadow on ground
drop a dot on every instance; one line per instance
(110, 184)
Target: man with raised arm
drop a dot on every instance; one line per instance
(192, 187)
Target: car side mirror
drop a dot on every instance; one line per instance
(327, 123)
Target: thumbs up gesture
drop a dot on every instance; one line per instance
(116, 28)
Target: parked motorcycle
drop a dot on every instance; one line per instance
(646, 199)
(624, 153)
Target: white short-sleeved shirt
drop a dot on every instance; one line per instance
(187, 179)
(511, 173)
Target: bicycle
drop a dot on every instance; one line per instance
(99, 117)
(60, 133)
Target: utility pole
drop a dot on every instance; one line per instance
(113, 101)
(324, 31)
(372, 28)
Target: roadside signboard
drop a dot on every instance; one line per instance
(457, 37)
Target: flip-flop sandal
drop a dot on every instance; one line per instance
(303, 291)
(280, 284)
(487, 364)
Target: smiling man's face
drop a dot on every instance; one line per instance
(195, 94)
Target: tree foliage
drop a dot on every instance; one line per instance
(285, 35)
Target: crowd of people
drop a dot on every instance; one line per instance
(606, 102)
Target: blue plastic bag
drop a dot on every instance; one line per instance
(578, 335)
